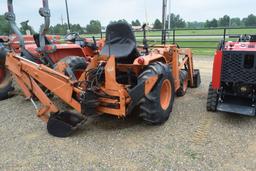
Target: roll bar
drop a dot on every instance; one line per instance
(44, 12)
(11, 18)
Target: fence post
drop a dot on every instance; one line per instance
(173, 36)
(164, 37)
(224, 36)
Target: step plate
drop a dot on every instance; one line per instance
(237, 109)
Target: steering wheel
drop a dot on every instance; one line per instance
(71, 37)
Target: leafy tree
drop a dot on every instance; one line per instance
(62, 29)
(157, 24)
(224, 21)
(136, 23)
(58, 29)
(77, 28)
(250, 20)
(176, 21)
(211, 24)
(4, 26)
(25, 26)
(195, 24)
(119, 21)
(236, 22)
(94, 27)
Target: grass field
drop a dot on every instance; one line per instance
(190, 38)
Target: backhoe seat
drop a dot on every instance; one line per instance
(121, 43)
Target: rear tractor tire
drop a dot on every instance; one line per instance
(183, 84)
(76, 64)
(212, 100)
(156, 106)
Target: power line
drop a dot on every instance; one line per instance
(62, 20)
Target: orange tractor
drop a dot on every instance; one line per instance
(40, 49)
(116, 81)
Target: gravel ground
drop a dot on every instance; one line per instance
(192, 139)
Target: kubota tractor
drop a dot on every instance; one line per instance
(233, 86)
(115, 82)
(42, 50)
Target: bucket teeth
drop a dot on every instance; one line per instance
(64, 124)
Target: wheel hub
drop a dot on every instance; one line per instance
(166, 94)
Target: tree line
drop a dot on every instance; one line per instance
(226, 21)
(173, 20)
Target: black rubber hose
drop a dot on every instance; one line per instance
(3, 52)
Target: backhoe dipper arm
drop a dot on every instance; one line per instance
(28, 74)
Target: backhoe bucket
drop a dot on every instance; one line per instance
(64, 124)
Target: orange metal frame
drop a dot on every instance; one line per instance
(31, 77)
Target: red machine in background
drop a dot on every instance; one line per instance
(233, 86)
(14, 43)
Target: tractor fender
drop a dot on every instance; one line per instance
(216, 74)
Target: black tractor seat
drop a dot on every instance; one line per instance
(121, 43)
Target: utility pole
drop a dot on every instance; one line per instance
(170, 12)
(164, 22)
(146, 12)
(62, 20)
(67, 15)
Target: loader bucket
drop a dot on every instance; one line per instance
(64, 124)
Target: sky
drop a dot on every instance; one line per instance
(82, 11)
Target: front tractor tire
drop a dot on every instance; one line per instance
(196, 78)
(156, 106)
(212, 100)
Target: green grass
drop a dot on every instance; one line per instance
(191, 32)
(215, 31)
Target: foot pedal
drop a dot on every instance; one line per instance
(64, 124)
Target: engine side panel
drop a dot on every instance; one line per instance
(239, 67)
